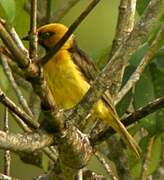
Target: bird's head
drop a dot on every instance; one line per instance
(50, 34)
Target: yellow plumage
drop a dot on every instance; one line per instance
(69, 84)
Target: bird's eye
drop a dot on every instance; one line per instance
(46, 35)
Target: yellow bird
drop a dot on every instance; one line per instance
(69, 73)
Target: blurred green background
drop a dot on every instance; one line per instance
(94, 35)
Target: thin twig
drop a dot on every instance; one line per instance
(139, 70)
(63, 10)
(15, 109)
(146, 163)
(71, 29)
(105, 165)
(132, 118)
(18, 92)
(33, 27)
(7, 156)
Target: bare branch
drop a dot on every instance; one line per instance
(27, 142)
(125, 23)
(71, 29)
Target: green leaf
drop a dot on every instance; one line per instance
(144, 90)
(125, 102)
(159, 59)
(45, 162)
(141, 6)
(144, 93)
(157, 75)
(101, 57)
(8, 10)
(148, 88)
(138, 55)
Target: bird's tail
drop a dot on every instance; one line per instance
(110, 117)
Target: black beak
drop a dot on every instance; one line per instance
(26, 38)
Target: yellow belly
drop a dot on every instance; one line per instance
(65, 81)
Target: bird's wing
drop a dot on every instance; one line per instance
(83, 62)
(89, 71)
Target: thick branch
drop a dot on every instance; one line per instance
(76, 150)
(125, 23)
(27, 142)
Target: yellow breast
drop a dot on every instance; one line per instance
(65, 80)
